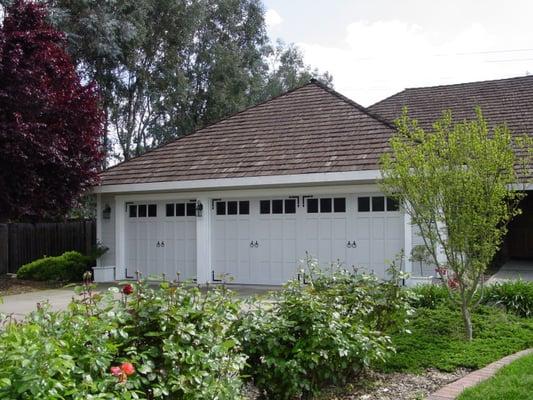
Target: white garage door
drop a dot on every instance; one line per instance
(260, 241)
(161, 239)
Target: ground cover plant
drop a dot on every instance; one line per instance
(512, 382)
(436, 340)
(324, 332)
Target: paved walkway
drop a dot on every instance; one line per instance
(22, 304)
(514, 269)
(454, 389)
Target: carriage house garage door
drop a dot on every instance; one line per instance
(161, 239)
(260, 241)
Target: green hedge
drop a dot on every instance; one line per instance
(68, 267)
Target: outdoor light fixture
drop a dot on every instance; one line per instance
(199, 208)
(106, 212)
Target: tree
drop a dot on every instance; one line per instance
(50, 123)
(287, 70)
(168, 67)
(456, 182)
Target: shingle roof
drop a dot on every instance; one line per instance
(503, 101)
(507, 101)
(307, 130)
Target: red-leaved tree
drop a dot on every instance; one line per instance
(50, 123)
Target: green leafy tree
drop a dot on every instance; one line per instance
(168, 67)
(456, 182)
(287, 70)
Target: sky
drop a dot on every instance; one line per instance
(375, 48)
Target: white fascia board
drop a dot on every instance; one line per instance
(368, 176)
(522, 186)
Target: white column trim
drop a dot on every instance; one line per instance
(203, 242)
(98, 224)
(407, 242)
(120, 239)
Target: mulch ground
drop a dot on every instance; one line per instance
(11, 285)
(390, 386)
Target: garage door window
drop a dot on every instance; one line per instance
(326, 205)
(142, 210)
(278, 206)
(233, 207)
(180, 209)
(377, 204)
(392, 204)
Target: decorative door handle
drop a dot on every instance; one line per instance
(158, 244)
(354, 245)
(349, 245)
(256, 244)
(162, 243)
(252, 243)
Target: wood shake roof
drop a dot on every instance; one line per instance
(504, 101)
(507, 101)
(308, 130)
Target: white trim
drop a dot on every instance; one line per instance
(407, 242)
(120, 239)
(522, 186)
(203, 242)
(98, 224)
(239, 193)
(248, 182)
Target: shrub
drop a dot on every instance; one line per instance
(322, 333)
(171, 342)
(68, 267)
(429, 296)
(514, 296)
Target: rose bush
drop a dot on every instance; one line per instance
(171, 342)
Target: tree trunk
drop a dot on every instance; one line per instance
(467, 320)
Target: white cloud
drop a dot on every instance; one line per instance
(272, 18)
(383, 57)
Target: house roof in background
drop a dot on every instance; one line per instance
(503, 101)
(311, 129)
(507, 101)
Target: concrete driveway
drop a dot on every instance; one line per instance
(22, 304)
(514, 269)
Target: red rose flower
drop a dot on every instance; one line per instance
(116, 371)
(127, 289)
(128, 368)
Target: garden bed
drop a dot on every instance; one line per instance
(10, 285)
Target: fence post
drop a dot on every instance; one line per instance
(4, 249)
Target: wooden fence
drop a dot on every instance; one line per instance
(21, 243)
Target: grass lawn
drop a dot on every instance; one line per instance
(513, 382)
(436, 340)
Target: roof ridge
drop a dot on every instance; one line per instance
(469, 83)
(353, 103)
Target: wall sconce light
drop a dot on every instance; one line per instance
(199, 208)
(106, 212)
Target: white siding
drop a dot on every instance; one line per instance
(427, 269)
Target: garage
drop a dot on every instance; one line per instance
(260, 241)
(161, 239)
